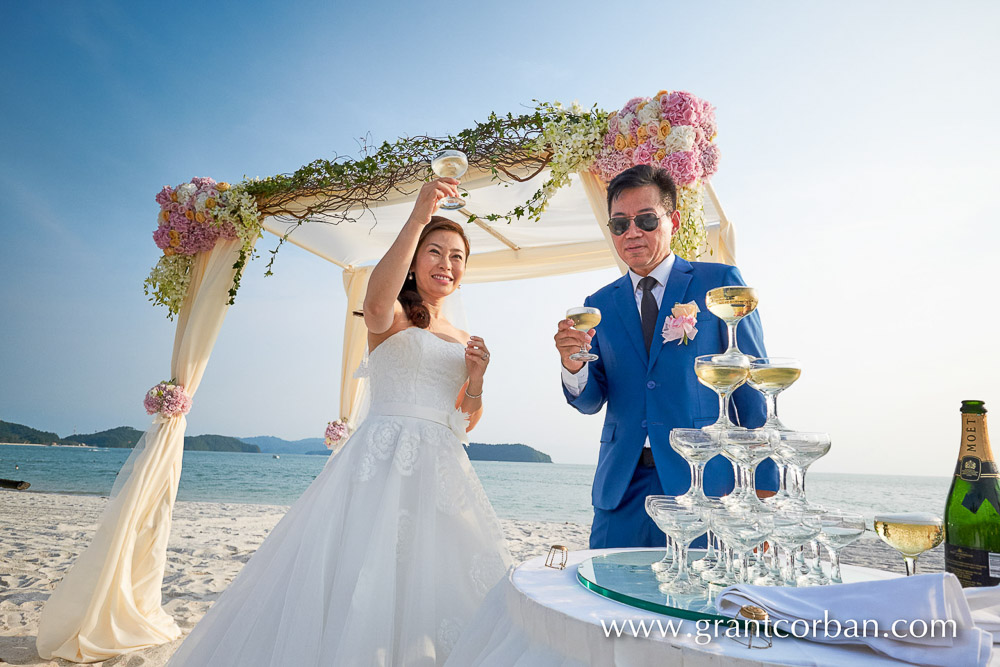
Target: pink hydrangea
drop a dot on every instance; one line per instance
(179, 231)
(632, 105)
(163, 198)
(709, 160)
(644, 153)
(681, 108)
(335, 432)
(708, 125)
(168, 399)
(684, 166)
(613, 124)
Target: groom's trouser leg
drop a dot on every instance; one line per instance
(628, 525)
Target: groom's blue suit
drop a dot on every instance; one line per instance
(650, 394)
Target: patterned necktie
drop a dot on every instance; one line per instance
(648, 310)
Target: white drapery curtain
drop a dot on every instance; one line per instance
(109, 601)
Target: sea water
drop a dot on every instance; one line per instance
(527, 491)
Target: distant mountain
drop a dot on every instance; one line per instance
(479, 451)
(271, 445)
(123, 437)
(21, 434)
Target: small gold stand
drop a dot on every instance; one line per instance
(753, 618)
(563, 555)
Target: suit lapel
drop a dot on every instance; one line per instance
(629, 314)
(677, 284)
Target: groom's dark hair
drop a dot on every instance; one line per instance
(642, 175)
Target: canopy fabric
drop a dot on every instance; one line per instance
(571, 237)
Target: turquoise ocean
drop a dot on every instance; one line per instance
(527, 491)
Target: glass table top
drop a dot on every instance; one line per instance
(626, 577)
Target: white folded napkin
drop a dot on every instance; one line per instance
(984, 603)
(890, 603)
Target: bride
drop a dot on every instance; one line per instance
(394, 545)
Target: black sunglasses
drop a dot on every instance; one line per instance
(647, 222)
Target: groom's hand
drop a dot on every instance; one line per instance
(569, 341)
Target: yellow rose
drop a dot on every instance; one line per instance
(639, 107)
(189, 214)
(173, 196)
(199, 216)
(222, 187)
(164, 216)
(621, 143)
(642, 134)
(689, 309)
(660, 154)
(662, 93)
(168, 252)
(632, 143)
(210, 202)
(664, 130)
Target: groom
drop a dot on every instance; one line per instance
(648, 384)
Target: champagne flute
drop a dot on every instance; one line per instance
(910, 533)
(584, 319)
(731, 304)
(771, 376)
(722, 375)
(450, 164)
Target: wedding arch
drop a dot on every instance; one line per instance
(536, 206)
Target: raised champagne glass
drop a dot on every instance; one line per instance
(722, 374)
(731, 304)
(584, 319)
(911, 534)
(450, 164)
(771, 376)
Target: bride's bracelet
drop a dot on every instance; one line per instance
(479, 395)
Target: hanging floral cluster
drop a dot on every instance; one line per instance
(675, 131)
(168, 399)
(194, 217)
(336, 432)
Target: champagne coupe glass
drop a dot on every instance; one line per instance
(663, 565)
(584, 319)
(771, 376)
(839, 529)
(746, 449)
(797, 450)
(697, 447)
(731, 304)
(722, 375)
(744, 531)
(910, 534)
(791, 530)
(684, 523)
(450, 164)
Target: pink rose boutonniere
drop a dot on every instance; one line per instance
(680, 326)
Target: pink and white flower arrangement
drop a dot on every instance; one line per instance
(670, 122)
(168, 399)
(680, 325)
(336, 432)
(194, 217)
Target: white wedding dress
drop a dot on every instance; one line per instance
(387, 554)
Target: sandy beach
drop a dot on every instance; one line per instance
(41, 534)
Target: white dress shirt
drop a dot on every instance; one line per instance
(575, 382)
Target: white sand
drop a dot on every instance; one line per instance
(41, 534)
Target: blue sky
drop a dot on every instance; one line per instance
(859, 150)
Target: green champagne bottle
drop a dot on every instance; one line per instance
(971, 519)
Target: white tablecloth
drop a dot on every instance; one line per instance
(539, 616)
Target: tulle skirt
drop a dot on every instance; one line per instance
(382, 561)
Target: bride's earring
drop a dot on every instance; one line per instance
(411, 276)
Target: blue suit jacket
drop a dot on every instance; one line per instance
(656, 392)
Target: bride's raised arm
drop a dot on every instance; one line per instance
(381, 305)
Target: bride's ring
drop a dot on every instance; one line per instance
(486, 356)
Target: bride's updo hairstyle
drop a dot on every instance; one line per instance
(409, 297)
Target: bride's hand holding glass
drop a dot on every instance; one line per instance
(477, 358)
(430, 197)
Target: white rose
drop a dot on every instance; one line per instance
(681, 138)
(184, 192)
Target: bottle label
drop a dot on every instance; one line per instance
(969, 468)
(973, 567)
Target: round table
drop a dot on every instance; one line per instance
(542, 616)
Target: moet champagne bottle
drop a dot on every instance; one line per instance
(971, 518)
